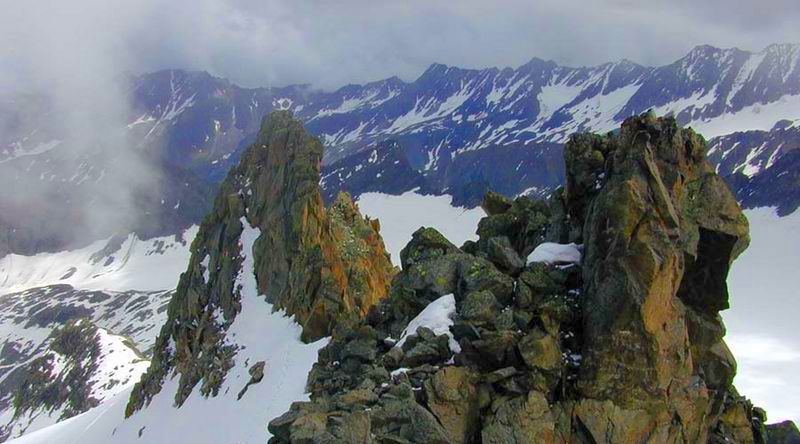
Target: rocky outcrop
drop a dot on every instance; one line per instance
(784, 433)
(81, 366)
(660, 229)
(624, 345)
(326, 267)
(44, 387)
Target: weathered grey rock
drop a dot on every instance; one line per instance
(502, 254)
(476, 274)
(540, 350)
(497, 349)
(480, 307)
(402, 419)
(256, 372)
(524, 224)
(453, 398)
(361, 349)
(426, 243)
(519, 420)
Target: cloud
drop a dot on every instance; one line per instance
(74, 58)
(75, 51)
(270, 42)
(767, 369)
(762, 320)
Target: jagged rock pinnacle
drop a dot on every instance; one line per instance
(618, 341)
(324, 267)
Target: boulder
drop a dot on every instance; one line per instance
(479, 307)
(401, 419)
(540, 351)
(426, 243)
(453, 398)
(476, 274)
(520, 420)
(502, 253)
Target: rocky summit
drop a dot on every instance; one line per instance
(592, 317)
(326, 267)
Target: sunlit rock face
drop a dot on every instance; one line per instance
(592, 317)
(326, 267)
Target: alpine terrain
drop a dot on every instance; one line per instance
(592, 316)
(453, 131)
(521, 254)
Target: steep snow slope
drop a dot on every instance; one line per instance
(762, 320)
(120, 286)
(102, 365)
(402, 215)
(110, 264)
(262, 335)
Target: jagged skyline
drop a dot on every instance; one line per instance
(279, 42)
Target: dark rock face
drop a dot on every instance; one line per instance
(783, 433)
(65, 380)
(326, 267)
(41, 387)
(625, 346)
(777, 186)
(661, 229)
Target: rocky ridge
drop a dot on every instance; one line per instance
(624, 345)
(326, 267)
(82, 366)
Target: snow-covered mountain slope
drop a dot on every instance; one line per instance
(752, 152)
(82, 367)
(450, 123)
(240, 411)
(117, 263)
(119, 286)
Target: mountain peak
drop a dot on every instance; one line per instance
(324, 267)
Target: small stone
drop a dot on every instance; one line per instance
(479, 306)
(540, 350)
(502, 254)
(501, 374)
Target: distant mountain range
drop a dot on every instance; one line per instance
(451, 131)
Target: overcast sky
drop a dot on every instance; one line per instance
(331, 43)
